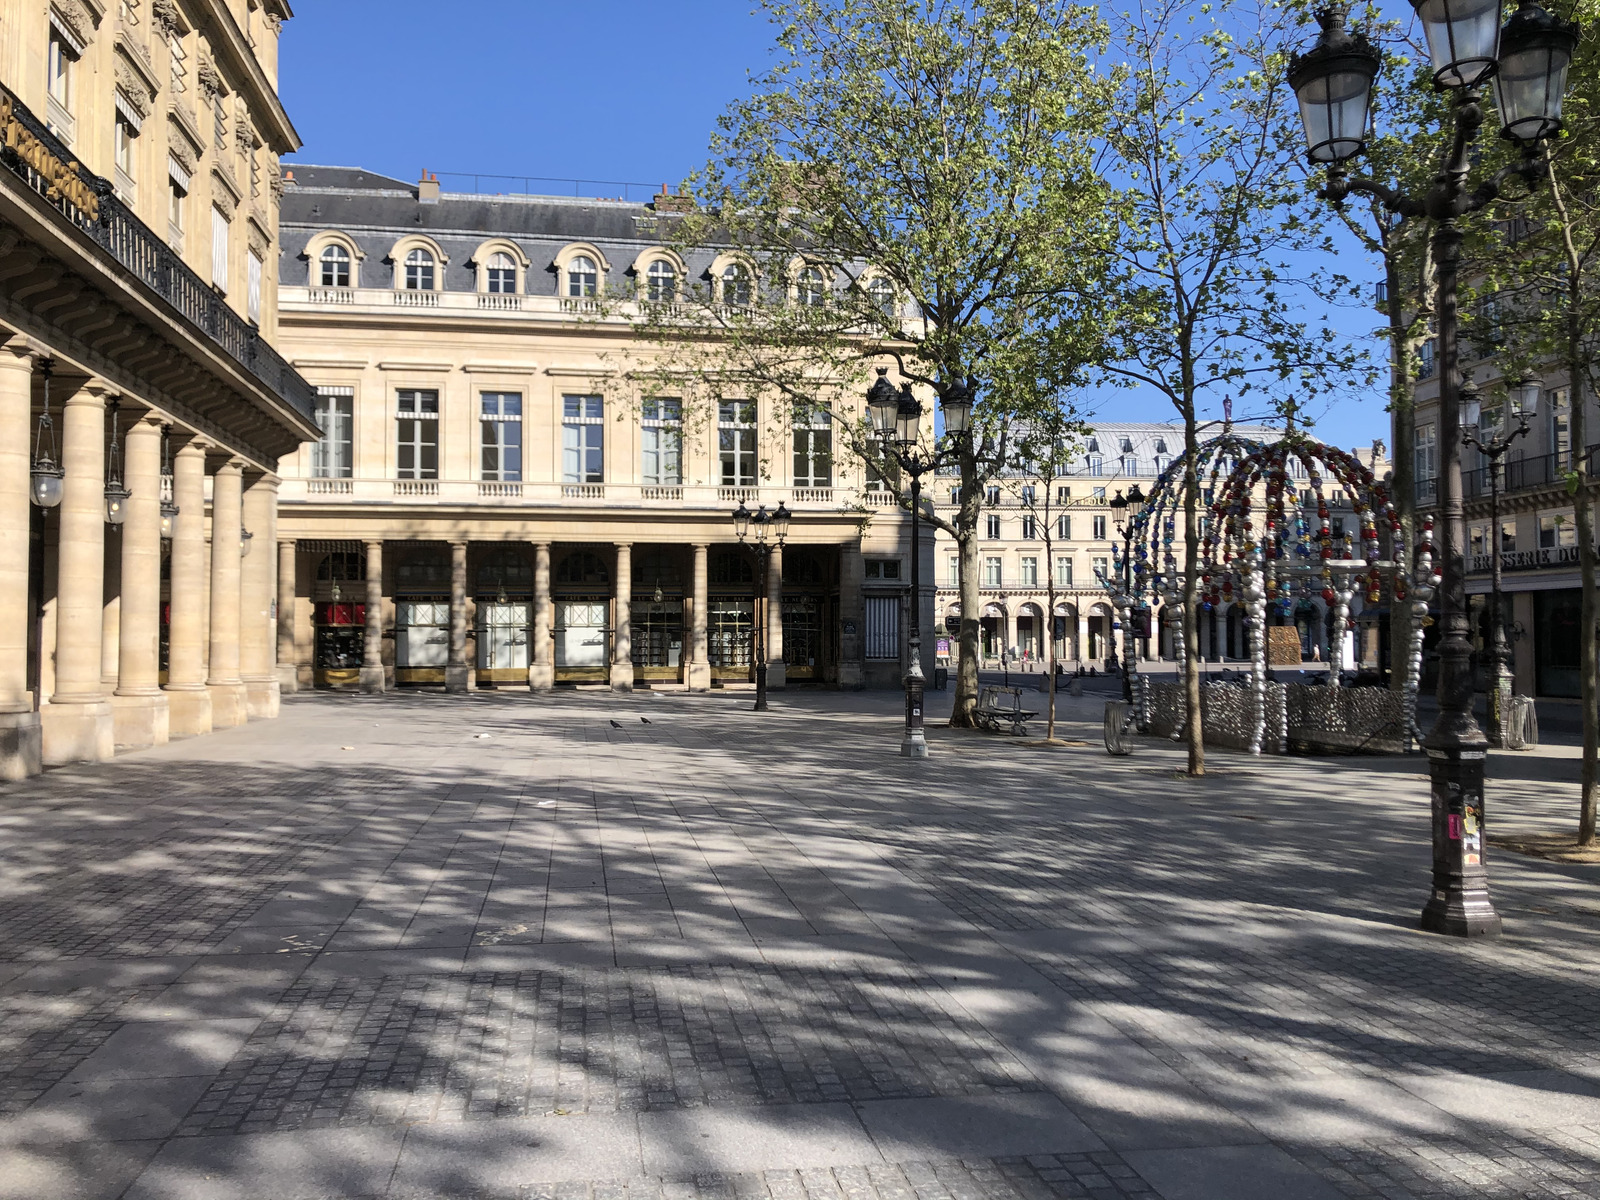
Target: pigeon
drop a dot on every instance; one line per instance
(646, 720)
(616, 724)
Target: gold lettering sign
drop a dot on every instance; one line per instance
(62, 178)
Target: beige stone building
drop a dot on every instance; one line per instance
(138, 384)
(494, 501)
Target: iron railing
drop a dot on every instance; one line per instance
(1525, 474)
(46, 165)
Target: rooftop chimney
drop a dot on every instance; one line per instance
(428, 189)
(666, 202)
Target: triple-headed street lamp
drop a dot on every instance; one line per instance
(1123, 510)
(1528, 61)
(897, 420)
(1492, 442)
(765, 533)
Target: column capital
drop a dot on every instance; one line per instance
(93, 391)
(373, 543)
(232, 465)
(623, 545)
(288, 541)
(151, 418)
(19, 351)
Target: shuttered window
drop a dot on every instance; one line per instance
(883, 626)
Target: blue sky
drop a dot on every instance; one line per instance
(608, 90)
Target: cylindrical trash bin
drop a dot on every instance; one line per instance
(1119, 728)
(941, 678)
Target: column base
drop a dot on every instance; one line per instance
(75, 733)
(699, 679)
(777, 676)
(542, 677)
(229, 706)
(140, 721)
(373, 681)
(21, 746)
(261, 698)
(914, 745)
(188, 711)
(458, 679)
(288, 679)
(622, 677)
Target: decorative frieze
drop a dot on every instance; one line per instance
(165, 15)
(210, 78)
(75, 15)
(133, 89)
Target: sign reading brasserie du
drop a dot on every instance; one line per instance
(62, 180)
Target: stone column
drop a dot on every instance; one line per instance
(20, 746)
(111, 612)
(852, 617)
(458, 675)
(228, 707)
(622, 639)
(372, 643)
(77, 723)
(777, 672)
(188, 700)
(288, 668)
(1082, 648)
(699, 677)
(541, 663)
(139, 706)
(257, 585)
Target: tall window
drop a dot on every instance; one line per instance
(1063, 495)
(991, 494)
(736, 442)
(661, 282)
(252, 295)
(991, 572)
(500, 274)
(61, 67)
(1029, 528)
(335, 413)
(583, 439)
(1099, 529)
(417, 434)
(952, 573)
(219, 249)
(583, 277)
(1064, 527)
(177, 193)
(419, 271)
(1030, 572)
(1096, 465)
(179, 77)
(736, 289)
(502, 436)
(1063, 571)
(1557, 532)
(992, 527)
(1427, 453)
(334, 267)
(662, 435)
(125, 142)
(1029, 494)
(1560, 427)
(813, 449)
(809, 289)
(1102, 567)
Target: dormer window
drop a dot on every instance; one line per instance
(583, 278)
(500, 274)
(1161, 445)
(1094, 445)
(334, 267)
(420, 268)
(736, 285)
(809, 288)
(661, 282)
(881, 292)
(1127, 445)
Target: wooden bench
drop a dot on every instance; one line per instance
(1000, 711)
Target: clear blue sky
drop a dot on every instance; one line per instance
(598, 89)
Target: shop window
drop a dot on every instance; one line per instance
(661, 442)
(333, 267)
(501, 427)
(736, 442)
(331, 454)
(583, 439)
(417, 435)
(730, 567)
(420, 271)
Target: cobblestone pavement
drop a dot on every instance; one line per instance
(589, 947)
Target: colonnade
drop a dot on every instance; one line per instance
(80, 669)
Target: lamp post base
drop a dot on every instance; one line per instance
(1499, 731)
(1459, 905)
(915, 742)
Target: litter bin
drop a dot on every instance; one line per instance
(1119, 728)
(1524, 723)
(941, 678)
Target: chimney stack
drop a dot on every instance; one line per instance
(428, 189)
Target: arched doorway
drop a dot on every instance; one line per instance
(1100, 639)
(580, 591)
(1066, 632)
(504, 590)
(1030, 633)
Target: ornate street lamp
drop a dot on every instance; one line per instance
(244, 543)
(1123, 510)
(897, 420)
(766, 532)
(1467, 46)
(44, 481)
(117, 493)
(169, 508)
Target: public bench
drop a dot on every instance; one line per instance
(1000, 711)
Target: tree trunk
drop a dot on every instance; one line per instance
(1583, 518)
(966, 531)
(1050, 632)
(1403, 441)
(1191, 593)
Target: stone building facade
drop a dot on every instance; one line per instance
(138, 384)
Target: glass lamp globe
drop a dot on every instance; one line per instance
(1535, 52)
(1333, 84)
(45, 484)
(1463, 39)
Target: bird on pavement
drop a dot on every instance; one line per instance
(616, 724)
(646, 720)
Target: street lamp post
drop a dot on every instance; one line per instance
(1333, 84)
(769, 532)
(897, 419)
(1493, 444)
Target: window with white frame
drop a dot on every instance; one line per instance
(813, 448)
(883, 627)
(1427, 452)
(955, 495)
(1560, 426)
(252, 295)
(583, 439)
(417, 434)
(1557, 532)
(1063, 495)
(952, 572)
(1029, 492)
(1096, 465)
(736, 289)
(1063, 571)
(333, 267)
(61, 81)
(1030, 572)
(1101, 567)
(501, 431)
(992, 527)
(736, 442)
(810, 289)
(420, 270)
(500, 274)
(583, 278)
(1028, 528)
(881, 293)
(1099, 528)
(993, 576)
(661, 436)
(1098, 493)
(220, 237)
(661, 282)
(991, 494)
(125, 152)
(177, 195)
(1064, 527)
(335, 414)
(881, 568)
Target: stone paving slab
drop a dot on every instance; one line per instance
(734, 956)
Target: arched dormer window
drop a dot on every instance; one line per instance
(737, 286)
(809, 288)
(421, 270)
(583, 278)
(881, 294)
(661, 282)
(333, 267)
(500, 274)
